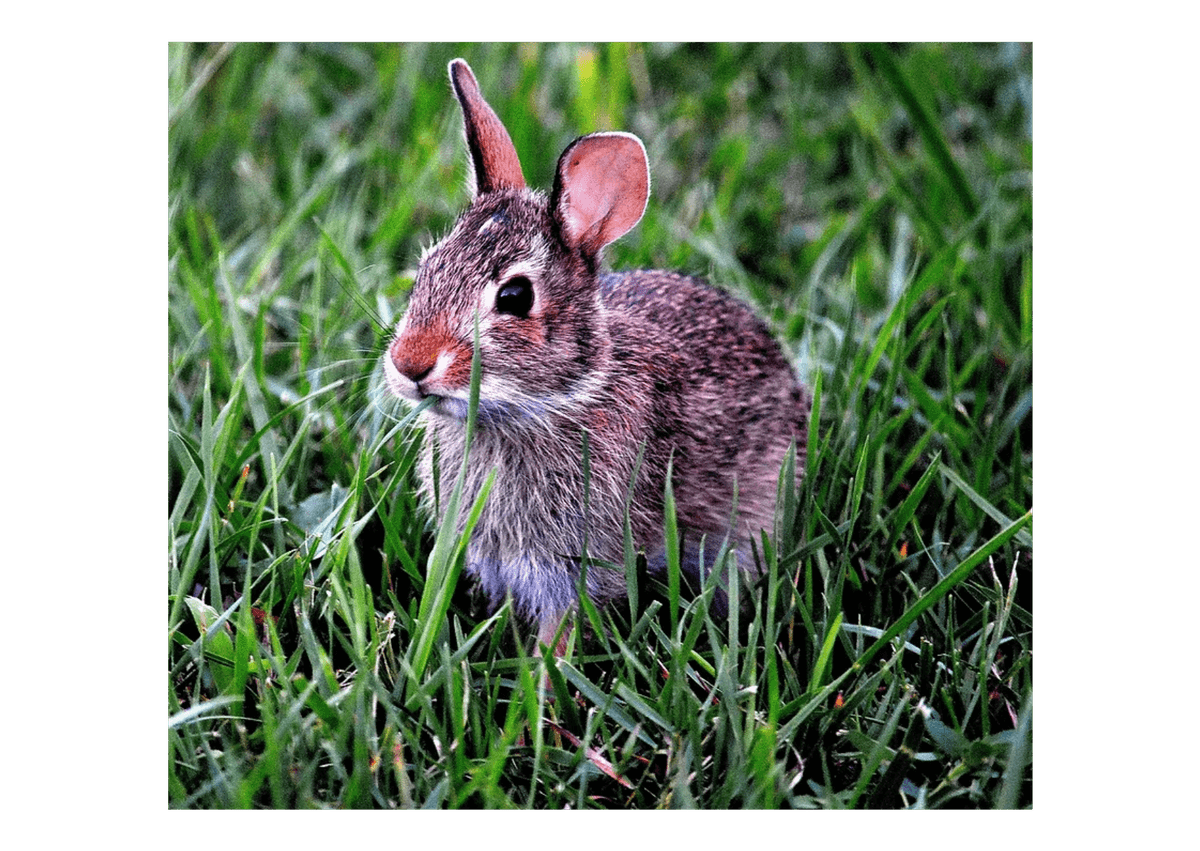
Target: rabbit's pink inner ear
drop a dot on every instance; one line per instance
(494, 163)
(601, 189)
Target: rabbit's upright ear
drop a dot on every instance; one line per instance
(600, 189)
(494, 163)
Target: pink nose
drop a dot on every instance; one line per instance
(415, 352)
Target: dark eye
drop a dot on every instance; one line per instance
(515, 297)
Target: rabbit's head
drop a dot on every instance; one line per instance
(524, 267)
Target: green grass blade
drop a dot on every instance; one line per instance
(942, 588)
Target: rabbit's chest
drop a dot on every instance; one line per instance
(540, 505)
(542, 513)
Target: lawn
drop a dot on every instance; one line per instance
(873, 203)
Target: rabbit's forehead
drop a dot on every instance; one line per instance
(487, 242)
(503, 223)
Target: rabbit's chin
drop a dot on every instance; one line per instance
(492, 412)
(449, 406)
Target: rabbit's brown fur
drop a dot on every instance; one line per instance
(648, 362)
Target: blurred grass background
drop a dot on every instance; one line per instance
(875, 204)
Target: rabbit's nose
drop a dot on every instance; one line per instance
(414, 365)
(413, 375)
(415, 352)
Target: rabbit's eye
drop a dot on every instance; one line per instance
(515, 297)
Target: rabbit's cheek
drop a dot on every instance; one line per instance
(520, 343)
(451, 374)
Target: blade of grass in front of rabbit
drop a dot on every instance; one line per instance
(449, 548)
(630, 552)
(785, 513)
(671, 534)
(729, 564)
(771, 645)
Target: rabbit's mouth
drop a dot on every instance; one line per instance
(489, 412)
(426, 383)
(411, 391)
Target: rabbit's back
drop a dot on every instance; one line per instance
(724, 389)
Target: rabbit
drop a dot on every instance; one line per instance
(659, 370)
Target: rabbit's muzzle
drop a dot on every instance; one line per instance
(427, 361)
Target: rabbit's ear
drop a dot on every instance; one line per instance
(494, 163)
(601, 189)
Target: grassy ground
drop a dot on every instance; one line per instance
(873, 202)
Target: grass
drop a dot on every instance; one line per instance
(873, 202)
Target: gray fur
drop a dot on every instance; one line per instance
(646, 360)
